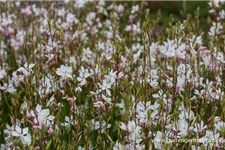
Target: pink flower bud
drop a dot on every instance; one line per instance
(50, 131)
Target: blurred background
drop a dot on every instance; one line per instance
(179, 11)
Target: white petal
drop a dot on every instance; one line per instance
(79, 79)
(26, 65)
(69, 69)
(38, 108)
(21, 69)
(63, 68)
(69, 75)
(107, 99)
(123, 126)
(31, 66)
(59, 72)
(27, 139)
(67, 119)
(108, 92)
(25, 131)
(14, 133)
(51, 118)
(18, 129)
(155, 95)
(45, 112)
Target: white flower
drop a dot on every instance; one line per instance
(215, 3)
(26, 11)
(136, 56)
(121, 105)
(130, 127)
(23, 134)
(106, 85)
(2, 73)
(217, 119)
(154, 107)
(157, 140)
(134, 131)
(83, 74)
(50, 57)
(41, 117)
(185, 114)
(90, 17)
(135, 9)
(194, 147)
(64, 72)
(61, 12)
(180, 81)
(70, 18)
(158, 95)
(68, 121)
(8, 129)
(219, 125)
(98, 104)
(81, 148)
(183, 128)
(181, 51)
(215, 29)
(134, 28)
(26, 69)
(118, 146)
(107, 99)
(52, 98)
(199, 127)
(8, 87)
(222, 14)
(46, 85)
(120, 8)
(80, 3)
(209, 137)
(102, 126)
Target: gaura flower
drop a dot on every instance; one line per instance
(26, 69)
(23, 134)
(65, 72)
(41, 117)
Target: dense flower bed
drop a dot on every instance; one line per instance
(105, 75)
